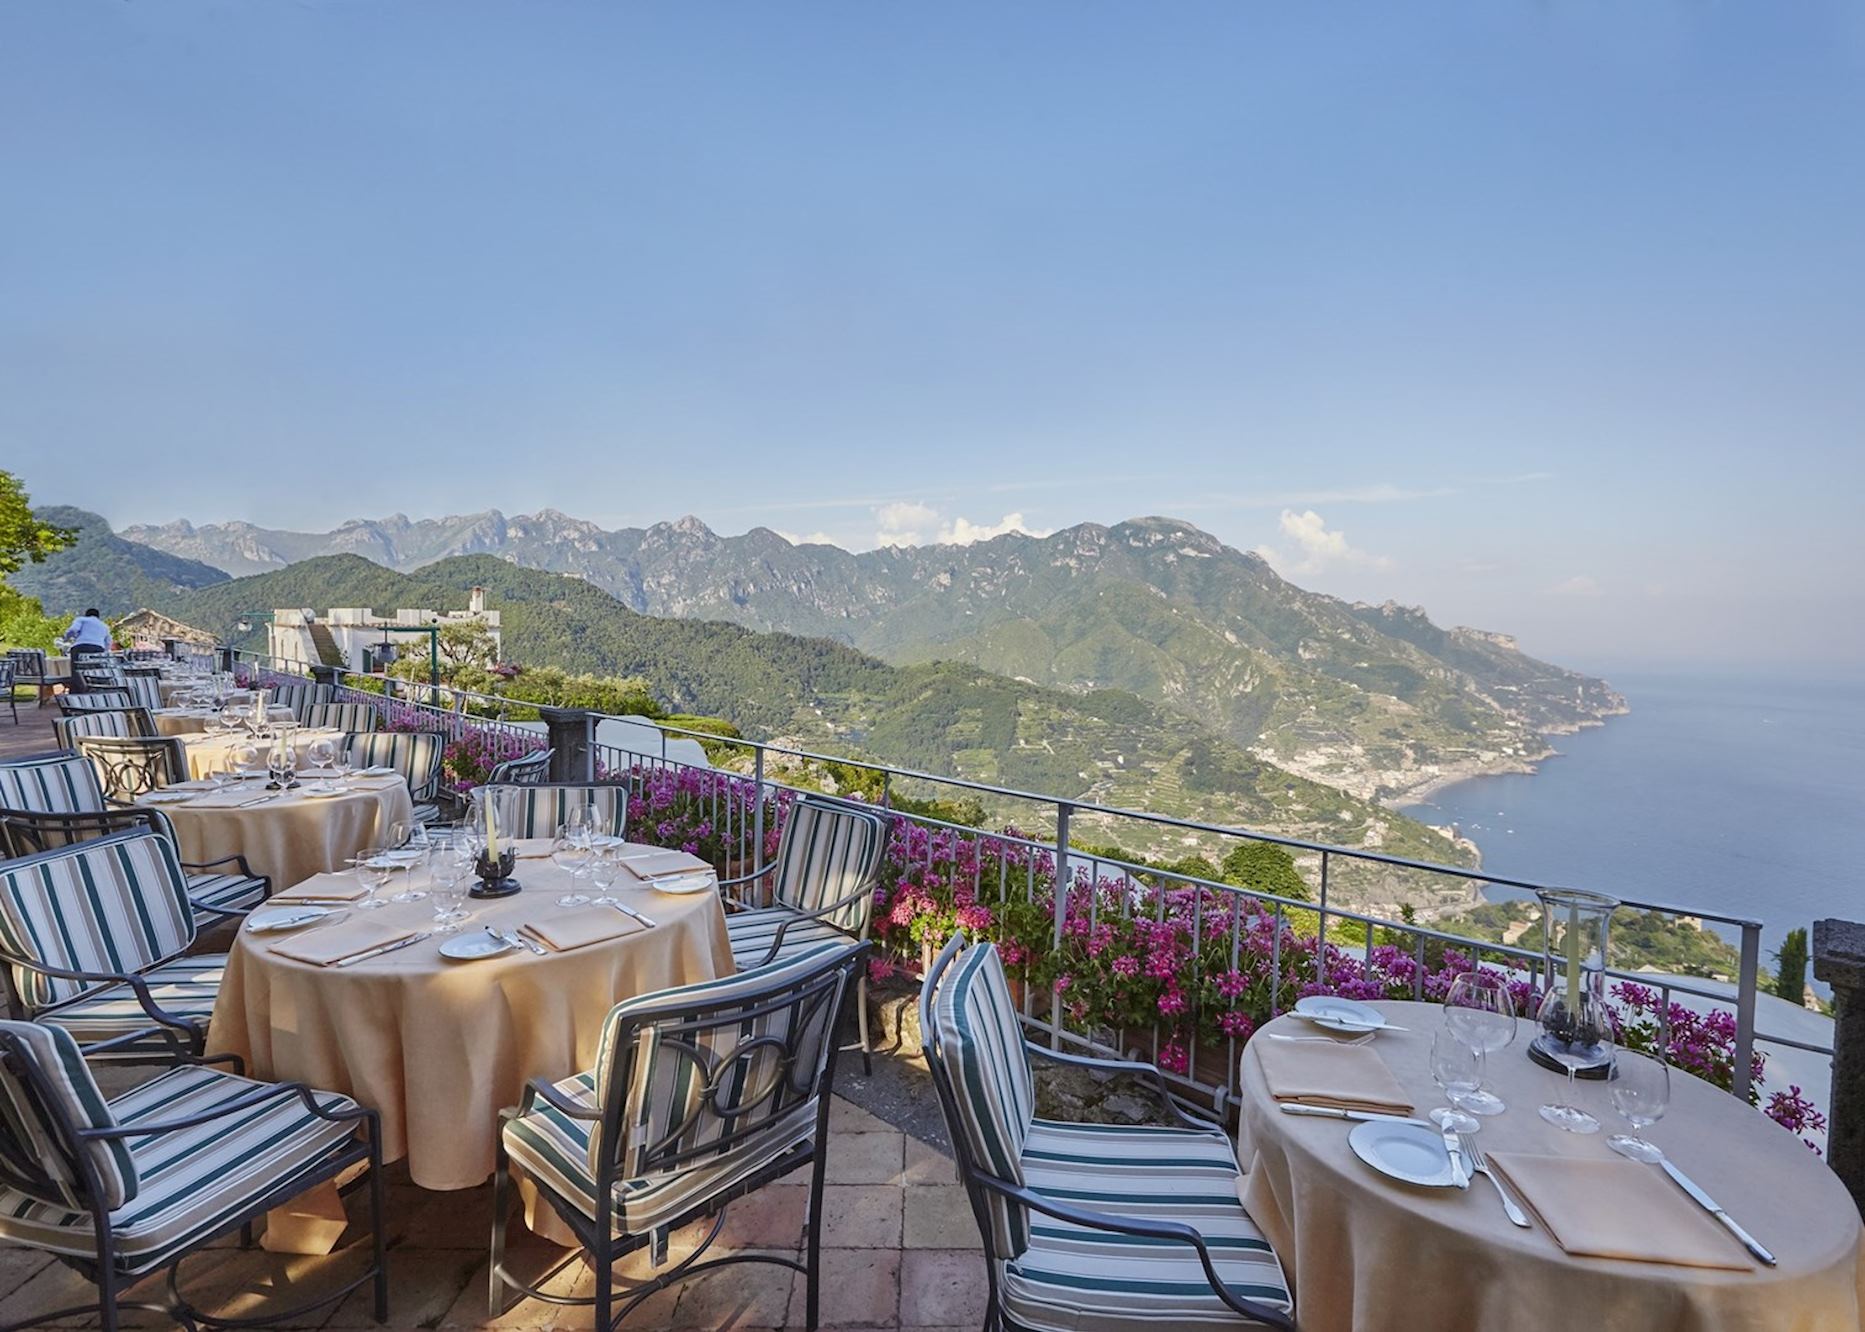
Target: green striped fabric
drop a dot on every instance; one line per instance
(95, 700)
(828, 851)
(194, 1183)
(116, 904)
(184, 987)
(416, 755)
(62, 784)
(1074, 1277)
(145, 689)
(752, 933)
(229, 892)
(32, 1133)
(359, 717)
(300, 696)
(104, 721)
(981, 1047)
(526, 770)
(538, 810)
(664, 1105)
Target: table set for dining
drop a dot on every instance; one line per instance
(1525, 1224)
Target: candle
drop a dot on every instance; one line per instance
(492, 837)
(1573, 960)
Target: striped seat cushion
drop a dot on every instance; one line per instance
(829, 852)
(752, 932)
(194, 1183)
(229, 892)
(555, 1150)
(62, 785)
(981, 1049)
(1075, 1277)
(29, 1127)
(184, 987)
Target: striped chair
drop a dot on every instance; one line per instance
(7, 672)
(66, 785)
(1087, 1225)
(93, 940)
(300, 696)
(822, 884)
(416, 755)
(132, 766)
(119, 722)
(225, 889)
(526, 770)
(145, 687)
(28, 664)
(700, 1095)
(537, 811)
(100, 700)
(359, 717)
(125, 1187)
(92, 674)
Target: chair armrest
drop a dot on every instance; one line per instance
(258, 1097)
(757, 873)
(238, 858)
(538, 1088)
(777, 939)
(1150, 1072)
(1175, 1231)
(138, 986)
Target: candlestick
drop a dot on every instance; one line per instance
(492, 836)
(1573, 960)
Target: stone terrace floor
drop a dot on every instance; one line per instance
(900, 1247)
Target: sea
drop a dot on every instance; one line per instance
(1742, 795)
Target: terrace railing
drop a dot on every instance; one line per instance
(1042, 857)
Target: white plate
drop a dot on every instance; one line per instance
(467, 947)
(375, 772)
(1412, 1153)
(165, 797)
(1337, 1014)
(290, 917)
(403, 855)
(321, 793)
(698, 881)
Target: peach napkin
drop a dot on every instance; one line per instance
(1618, 1209)
(580, 929)
(651, 863)
(531, 848)
(326, 947)
(1345, 1077)
(324, 888)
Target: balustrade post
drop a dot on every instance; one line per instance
(225, 654)
(572, 738)
(326, 675)
(1839, 960)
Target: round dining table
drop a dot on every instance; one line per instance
(1368, 1253)
(208, 754)
(290, 835)
(193, 721)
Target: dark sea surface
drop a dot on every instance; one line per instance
(1744, 796)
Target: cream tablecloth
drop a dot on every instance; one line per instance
(208, 753)
(440, 1047)
(1372, 1255)
(193, 721)
(295, 836)
(172, 685)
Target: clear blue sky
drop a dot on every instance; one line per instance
(1550, 316)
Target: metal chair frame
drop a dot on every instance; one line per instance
(9, 671)
(26, 832)
(979, 1182)
(678, 1025)
(132, 766)
(105, 1271)
(531, 769)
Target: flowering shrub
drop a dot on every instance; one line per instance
(703, 812)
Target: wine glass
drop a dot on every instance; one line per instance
(568, 853)
(1640, 1090)
(322, 752)
(409, 848)
(1578, 1035)
(604, 868)
(1457, 1067)
(372, 870)
(247, 757)
(449, 864)
(580, 822)
(1479, 1009)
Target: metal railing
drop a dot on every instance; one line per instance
(742, 823)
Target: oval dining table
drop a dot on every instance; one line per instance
(1367, 1253)
(287, 836)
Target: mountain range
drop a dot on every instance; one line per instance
(1378, 701)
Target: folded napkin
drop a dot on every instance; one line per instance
(324, 888)
(1345, 1077)
(372, 783)
(329, 946)
(579, 929)
(377, 772)
(1618, 1209)
(530, 848)
(651, 863)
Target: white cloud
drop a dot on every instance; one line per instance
(962, 531)
(1580, 585)
(1313, 548)
(813, 539)
(904, 523)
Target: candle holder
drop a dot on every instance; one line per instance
(1576, 1030)
(495, 876)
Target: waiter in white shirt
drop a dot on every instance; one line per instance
(87, 633)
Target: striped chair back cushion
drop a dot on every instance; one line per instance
(359, 717)
(27, 662)
(145, 688)
(120, 722)
(981, 1051)
(38, 1110)
(300, 696)
(89, 677)
(527, 770)
(117, 904)
(6, 677)
(537, 811)
(830, 850)
(416, 755)
(61, 784)
(715, 1051)
(132, 766)
(101, 699)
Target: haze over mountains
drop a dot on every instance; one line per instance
(1375, 700)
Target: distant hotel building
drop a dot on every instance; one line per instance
(349, 636)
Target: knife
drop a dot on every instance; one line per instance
(409, 942)
(1334, 1112)
(1460, 1170)
(1709, 1204)
(627, 910)
(528, 944)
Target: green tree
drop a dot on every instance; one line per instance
(24, 623)
(1790, 978)
(23, 536)
(1265, 867)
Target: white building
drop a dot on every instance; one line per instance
(345, 636)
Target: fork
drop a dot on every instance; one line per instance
(1480, 1164)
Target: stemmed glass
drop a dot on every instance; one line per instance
(372, 870)
(1479, 1010)
(450, 862)
(1457, 1067)
(604, 868)
(1640, 1090)
(410, 849)
(1578, 1036)
(322, 753)
(570, 852)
